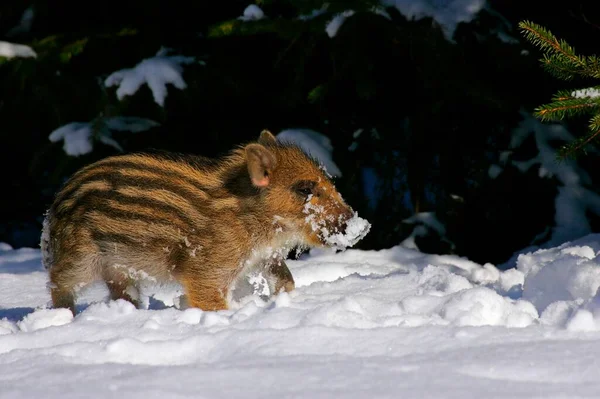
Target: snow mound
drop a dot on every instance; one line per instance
(44, 318)
(156, 72)
(356, 324)
(482, 306)
(563, 283)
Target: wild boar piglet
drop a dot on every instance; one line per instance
(201, 222)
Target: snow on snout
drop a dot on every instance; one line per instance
(356, 228)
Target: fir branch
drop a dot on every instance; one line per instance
(546, 41)
(560, 58)
(592, 66)
(560, 109)
(563, 95)
(577, 146)
(594, 124)
(561, 61)
(556, 66)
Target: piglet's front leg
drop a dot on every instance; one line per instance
(279, 276)
(268, 278)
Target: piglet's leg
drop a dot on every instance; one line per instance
(271, 275)
(203, 293)
(279, 276)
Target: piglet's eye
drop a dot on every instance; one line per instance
(304, 187)
(305, 191)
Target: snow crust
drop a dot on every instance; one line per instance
(388, 323)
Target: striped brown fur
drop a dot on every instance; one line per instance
(201, 222)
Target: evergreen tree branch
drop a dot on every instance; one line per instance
(560, 58)
(594, 124)
(561, 61)
(562, 95)
(546, 41)
(578, 145)
(593, 66)
(558, 110)
(572, 149)
(556, 66)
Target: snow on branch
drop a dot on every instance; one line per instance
(24, 25)
(156, 72)
(313, 13)
(336, 22)
(252, 13)
(315, 144)
(78, 137)
(576, 196)
(448, 13)
(591, 92)
(11, 50)
(338, 19)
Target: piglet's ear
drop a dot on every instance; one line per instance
(261, 163)
(266, 138)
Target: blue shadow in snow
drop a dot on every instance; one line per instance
(21, 261)
(15, 314)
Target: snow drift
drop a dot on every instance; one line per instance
(388, 323)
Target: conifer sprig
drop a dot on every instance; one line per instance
(569, 104)
(561, 60)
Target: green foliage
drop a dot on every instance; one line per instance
(561, 60)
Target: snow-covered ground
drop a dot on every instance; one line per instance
(394, 323)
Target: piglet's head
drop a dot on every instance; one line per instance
(301, 197)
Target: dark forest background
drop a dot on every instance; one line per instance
(430, 117)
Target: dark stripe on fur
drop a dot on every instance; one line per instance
(117, 181)
(166, 173)
(118, 164)
(97, 200)
(108, 240)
